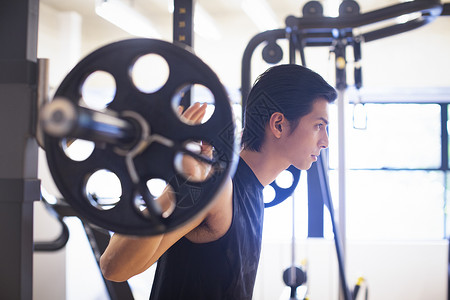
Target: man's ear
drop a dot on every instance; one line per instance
(277, 124)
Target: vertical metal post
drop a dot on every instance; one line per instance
(315, 204)
(183, 22)
(19, 185)
(341, 85)
(444, 159)
(292, 42)
(444, 135)
(342, 165)
(293, 269)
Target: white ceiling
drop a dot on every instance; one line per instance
(214, 7)
(222, 11)
(224, 55)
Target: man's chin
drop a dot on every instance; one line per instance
(304, 167)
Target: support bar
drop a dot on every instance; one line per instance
(429, 8)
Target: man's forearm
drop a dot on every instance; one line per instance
(128, 256)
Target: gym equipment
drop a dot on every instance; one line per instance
(19, 185)
(282, 193)
(138, 137)
(61, 241)
(314, 29)
(98, 240)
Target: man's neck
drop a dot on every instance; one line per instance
(265, 166)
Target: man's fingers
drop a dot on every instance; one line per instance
(195, 113)
(199, 113)
(190, 110)
(206, 149)
(180, 110)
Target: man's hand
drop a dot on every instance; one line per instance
(192, 168)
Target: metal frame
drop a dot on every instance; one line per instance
(98, 240)
(19, 186)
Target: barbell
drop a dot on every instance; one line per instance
(138, 137)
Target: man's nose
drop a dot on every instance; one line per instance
(323, 142)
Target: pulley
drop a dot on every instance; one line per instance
(139, 137)
(272, 53)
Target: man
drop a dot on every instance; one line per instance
(216, 255)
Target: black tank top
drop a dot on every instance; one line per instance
(222, 269)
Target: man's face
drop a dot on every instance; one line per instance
(303, 145)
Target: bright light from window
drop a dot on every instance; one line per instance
(260, 13)
(204, 24)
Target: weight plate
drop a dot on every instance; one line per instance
(281, 193)
(124, 214)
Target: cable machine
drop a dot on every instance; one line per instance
(313, 29)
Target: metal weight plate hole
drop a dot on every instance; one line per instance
(269, 193)
(98, 90)
(194, 168)
(197, 93)
(285, 179)
(150, 73)
(77, 149)
(161, 192)
(103, 189)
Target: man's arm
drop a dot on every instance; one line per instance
(127, 256)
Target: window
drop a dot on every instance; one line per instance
(395, 184)
(398, 136)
